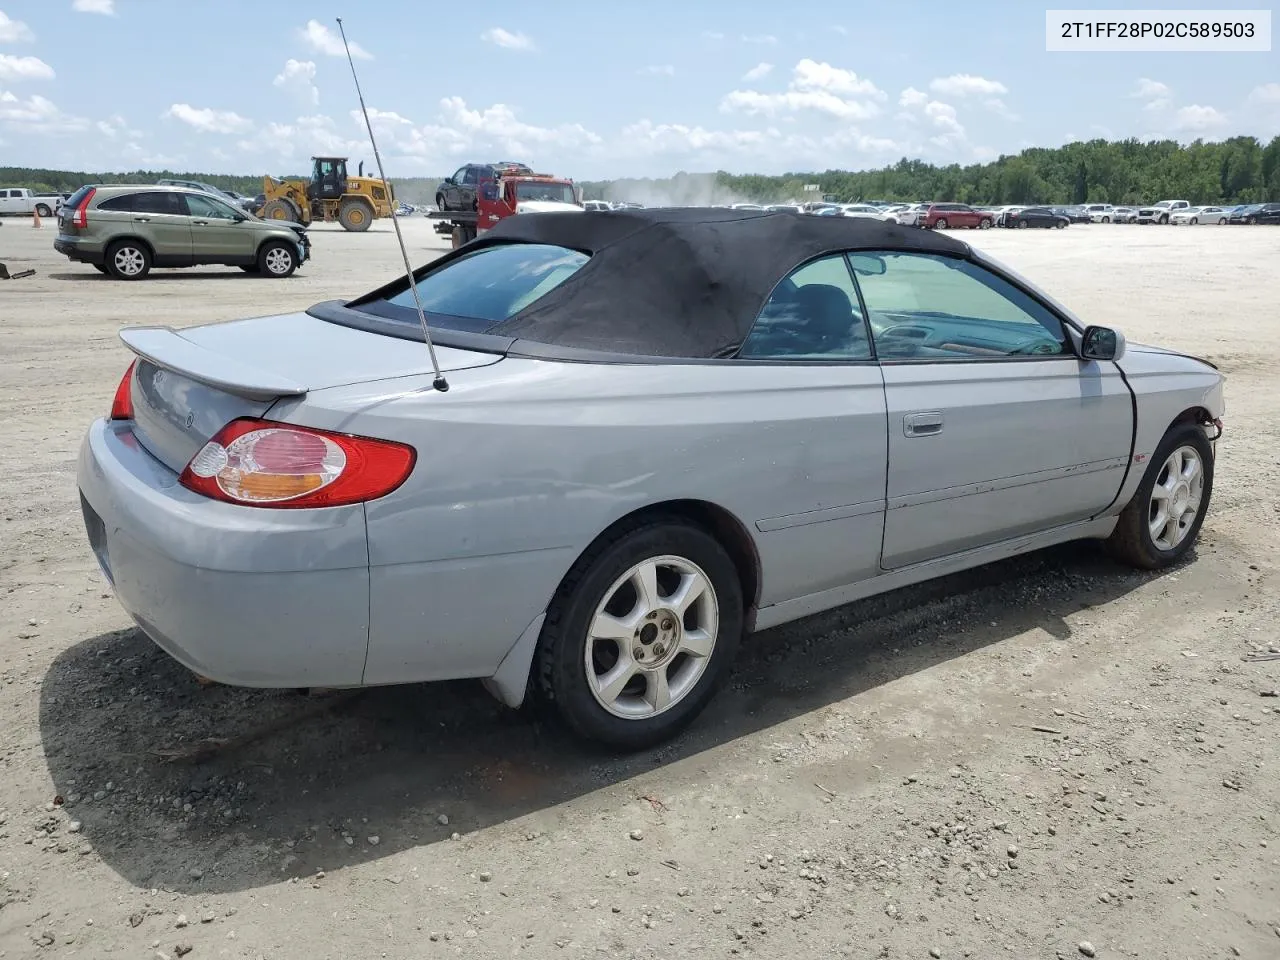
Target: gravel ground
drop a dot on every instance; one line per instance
(1049, 757)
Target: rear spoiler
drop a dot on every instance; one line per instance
(166, 348)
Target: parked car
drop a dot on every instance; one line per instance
(375, 530)
(1194, 215)
(911, 215)
(1258, 213)
(459, 191)
(1160, 212)
(1036, 217)
(942, 216)
(124, 231)
(19, 201)
(228, 195)
(1242, 213)
(1099, 212)
(1124, 215)
(860, 210)
(598, 205)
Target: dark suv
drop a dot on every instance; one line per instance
(940, 216)
(459, 191)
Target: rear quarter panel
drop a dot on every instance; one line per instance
(523, 463)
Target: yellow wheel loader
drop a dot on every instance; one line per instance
(329, 196)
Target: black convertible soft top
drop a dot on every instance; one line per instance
(683, 282)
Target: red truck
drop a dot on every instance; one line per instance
(508, 194)
(940, 216)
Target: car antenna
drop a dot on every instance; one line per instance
(439, 383)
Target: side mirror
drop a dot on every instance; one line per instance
(1102, 343)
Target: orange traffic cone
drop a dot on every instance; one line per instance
(35, 219)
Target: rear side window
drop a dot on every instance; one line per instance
(124, 204)
(159, 202)
(491, 285)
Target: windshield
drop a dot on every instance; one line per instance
(488, 286)
(553, 192)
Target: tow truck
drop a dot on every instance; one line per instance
(508, 194)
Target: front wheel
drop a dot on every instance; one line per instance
(1163, 519)
(984, 224)
(278, 259)
(1194, 221)
(1221, 221)
(1022, 224)
(1106, 219)
(640, 634)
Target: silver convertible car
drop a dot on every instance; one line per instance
(654, 432)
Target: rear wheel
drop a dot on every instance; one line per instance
(1022, 224)
(1106, 219)
(640, 634)
(1163, 519)
(44, 210)
(942, 223)
(1194, 221)
(279, 210)
(128, 260)
(1061, 224)
(355, 215)
(278, 259)
(439, 201)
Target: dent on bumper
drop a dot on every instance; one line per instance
(246, 596)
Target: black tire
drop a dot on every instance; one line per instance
(984, 224)
(279, 209)
(1164, 220)
(1022, 224)
(560, 671)
(941, 223)
(1106, 219)
(44, 210)
(128, 260)
(1131, 541)
(1060, 225)
(277, 259)
(440, 201)
(1250, 219)
(355, 215)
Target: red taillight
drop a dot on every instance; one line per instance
(263, 463)
(81, 218)
(122, 403)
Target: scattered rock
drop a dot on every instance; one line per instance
(135, 919)
(197, 873)
(181, 921)
(935, 953)
(1013, 851)
(74, 826)
(485, 876)
(1086, 948)
(374, 840)
(206, 918)
(443, 820)
(636, 834)
(182, 949)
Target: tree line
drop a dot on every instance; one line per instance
(1238, 170)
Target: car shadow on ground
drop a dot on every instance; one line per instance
(307, 779)
(178, 273)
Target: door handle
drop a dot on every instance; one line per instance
(143, 219)
(200, 223)
(922, 424)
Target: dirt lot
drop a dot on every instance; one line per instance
(1049, 757)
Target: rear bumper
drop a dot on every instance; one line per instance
(78, 251)
(245, 596)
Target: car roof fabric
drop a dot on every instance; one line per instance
(679, 282)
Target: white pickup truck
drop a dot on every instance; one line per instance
(19, 201)
(1159, 212)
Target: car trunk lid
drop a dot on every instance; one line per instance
(188, 384)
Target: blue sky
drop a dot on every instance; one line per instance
(588, 90)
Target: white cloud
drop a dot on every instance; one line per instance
(208, 120)
(329, 42)
(815, 87)
(965, 84)
(1150, 89)
(1196, 118)
(14, 31)
(712, 35)
(105, 7)
(24, 68)
(38, 114)
(943, 116)
(758, 72)
(911, 97)
(507, 39)
(1155, 106)
(298, 78)
(766, 38)
(1267, 93)
(1000, 109)
(659, 70)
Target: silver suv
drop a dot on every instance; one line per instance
(124, 231)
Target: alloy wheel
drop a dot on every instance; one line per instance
(1176, 498)
(130, 261)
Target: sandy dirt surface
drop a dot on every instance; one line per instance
(1049, 757)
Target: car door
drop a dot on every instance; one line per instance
(808, 362)
(219, 234)
(160, 218)
(1270, 213)
(966, 216)
(996, 429)
(9, 201)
